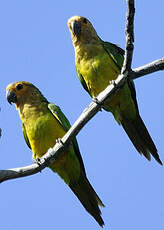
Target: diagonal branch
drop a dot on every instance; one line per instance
(86, 115)
(57, 151)
(54, 153)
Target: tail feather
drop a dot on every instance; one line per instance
(141, 139)
(88, 197)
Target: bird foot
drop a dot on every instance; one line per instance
(59, 141)
(94, 99)
(37, 161)
(112, 82)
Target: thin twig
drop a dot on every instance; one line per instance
(129, 36)
(148, 68)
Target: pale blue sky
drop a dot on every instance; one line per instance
(35, 46)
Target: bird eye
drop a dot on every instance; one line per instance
(19, 86)
(85, 20)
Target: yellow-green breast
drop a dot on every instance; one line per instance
(96, 67)
(42, 130)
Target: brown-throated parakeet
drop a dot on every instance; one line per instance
(97, 64)
(43, 123)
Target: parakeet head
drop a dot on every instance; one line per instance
(81, 30)
(22, 92)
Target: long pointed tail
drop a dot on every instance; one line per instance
(141, 139)
(88, 197)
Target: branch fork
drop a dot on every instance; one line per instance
(126, 73)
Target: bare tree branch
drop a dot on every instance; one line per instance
(54, 153)
(59, 148)
(129, 36)
(148, 68)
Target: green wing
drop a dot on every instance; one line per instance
(59, 115)
(25, 136)
(116, 53)
(133, 93)
(82, 81)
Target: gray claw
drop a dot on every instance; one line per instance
(112, 82)
(59, 141)
(37, 161)
(94, 99)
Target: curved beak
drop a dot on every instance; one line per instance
(76, 28)
(11, 97)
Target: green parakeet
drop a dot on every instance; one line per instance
(98, 63)
(43, 123)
